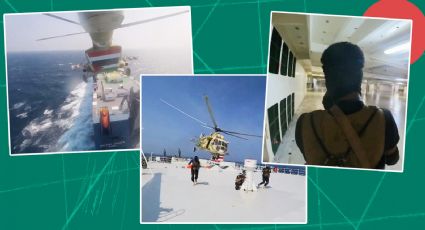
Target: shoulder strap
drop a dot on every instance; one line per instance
(351, 135)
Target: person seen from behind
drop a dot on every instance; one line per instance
(194, 169)
(347, 133)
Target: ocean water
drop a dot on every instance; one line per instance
(50, 105)
(47, 100)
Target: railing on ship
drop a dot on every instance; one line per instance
(160, 159)
(286, 169)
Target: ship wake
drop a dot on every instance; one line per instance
(66, 128)
(79, 136)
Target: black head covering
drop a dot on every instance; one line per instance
(343, 67)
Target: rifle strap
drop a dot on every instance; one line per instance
(351, 135)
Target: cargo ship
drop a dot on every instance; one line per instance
(116, 100)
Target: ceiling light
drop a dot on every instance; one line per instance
(398, 48)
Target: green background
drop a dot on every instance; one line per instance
(101, 190)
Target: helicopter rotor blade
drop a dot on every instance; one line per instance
(152, 19)
(63, 19)
(211, 112)
(208, 127)
(121, 26)
(234, 135)
(60, 36)
(243, 134)
(181, 111)
(63, 35)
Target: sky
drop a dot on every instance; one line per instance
(237, 103)
(174, 32)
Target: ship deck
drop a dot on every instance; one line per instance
(115, 91)
(168, 195)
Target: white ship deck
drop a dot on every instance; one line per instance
(168, 195)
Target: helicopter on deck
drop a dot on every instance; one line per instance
(214, 143)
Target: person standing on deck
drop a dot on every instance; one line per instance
(194, 169)
(266, 176)
(240, 179)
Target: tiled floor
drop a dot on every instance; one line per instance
(288, 151)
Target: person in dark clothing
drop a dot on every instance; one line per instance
(347, 133)
(266, 176)
(194, 170)
(240, 179)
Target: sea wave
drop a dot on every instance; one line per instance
(79, 135)
(22, 115)
(68, 128)
(18, 105)
(48, 112)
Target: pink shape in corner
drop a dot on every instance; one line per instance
(403, 9)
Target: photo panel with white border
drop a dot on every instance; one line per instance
(73, 79)
(375, 105)
(217, 119)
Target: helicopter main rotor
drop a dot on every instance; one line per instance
(211, 114)
(92, 15)
(215, 127)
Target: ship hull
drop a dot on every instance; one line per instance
(117, 137)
